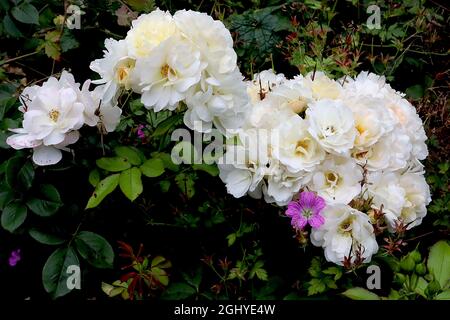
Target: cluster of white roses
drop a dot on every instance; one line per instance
(53, 113)
(344, 140)
(187, 57)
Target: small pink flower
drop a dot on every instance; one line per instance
(140, 131)
(14, 258)
(306, 210)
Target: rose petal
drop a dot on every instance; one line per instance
(46, 155)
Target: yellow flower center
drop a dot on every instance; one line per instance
(301, 148)
(345, 227)
(332, 178)
(53, 115)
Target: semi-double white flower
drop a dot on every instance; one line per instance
(337, 180)
(332, 125)
(345, 232)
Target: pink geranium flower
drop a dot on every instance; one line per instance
(306, 210)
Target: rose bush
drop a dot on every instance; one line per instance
(332, 149)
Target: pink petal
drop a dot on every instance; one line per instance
(293, 209)
(307, 199)
(316, 221)
(299, 222)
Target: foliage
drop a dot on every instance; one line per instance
(121, 187)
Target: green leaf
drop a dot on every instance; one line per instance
(231, 239)
(114, 164)
(443, 295)
(45, 238)
(104, 187)
(94, 177)
(26, 175)
(415, 92)
(141, 5)
(26, 13)
(167, 160)
(95, 249)
(10, 27)
(131, 183)
(209, 168)
(178, 291)
(358, 293)
(152, 168)
(164, 185)
(12, 167)
(132, 155)
(334, 271)
(48, 202)
(316, 286)
(168, 124)
(6, 196)
(13, 216)
(439, 263)
(186, 184)
(54, 273)
(68, 41)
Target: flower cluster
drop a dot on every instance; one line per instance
(351, 142)
(187, 57)
(54, 112)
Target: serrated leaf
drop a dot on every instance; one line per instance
(104, 187)
(13, 216)
(131, 183)
(113, 164)
(152, 168)
(94, 249)
(54, 273)
(316, 286)
(358, 293)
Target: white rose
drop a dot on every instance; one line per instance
(167, 73)
(223, 103)
(293, 94)
(372, 120)
(283, 184)
(295, 147)
(392, 152)
(54, 110)
(337, 180)
(417, 197)
(386, 192)
(345, 232)
(263, 83)
(148, 32)
(210, 37)
(322, 87)
(115, 69)
(332, 124)
(98, 112)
